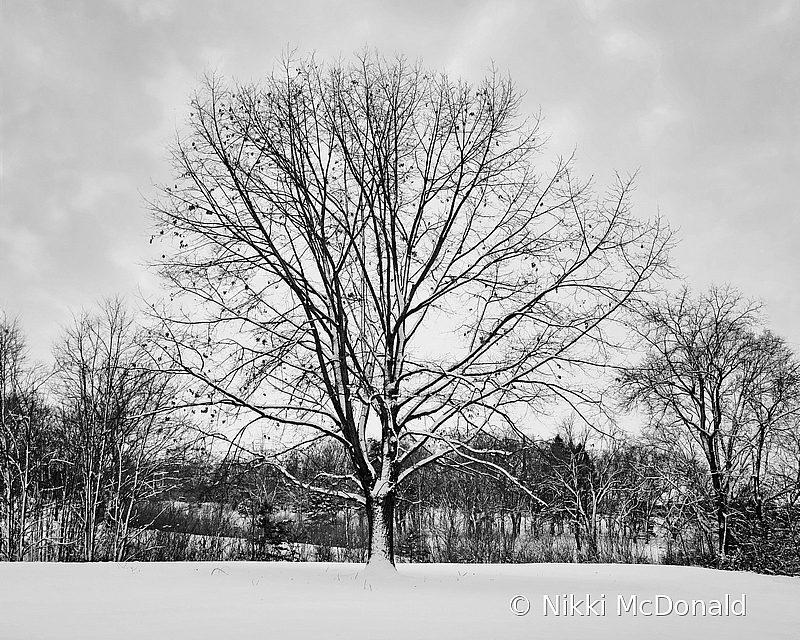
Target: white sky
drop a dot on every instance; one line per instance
(701, 97)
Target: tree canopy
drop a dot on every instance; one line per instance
(369, 246)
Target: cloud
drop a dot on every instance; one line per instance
(624, 43)
(483, 25)
(779, 17)
(597, 9)
(24, 254)
(704, 101)
(656, 121)
(148, 10)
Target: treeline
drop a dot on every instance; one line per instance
(98, 463)
(580, 496)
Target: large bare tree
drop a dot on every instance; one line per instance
(367, 249)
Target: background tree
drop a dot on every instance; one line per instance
(772, 376)
(602, 484)
(579, 485)
(114, 403)
(476, 507)
(26, 446)
(367, 248)
(711, 384)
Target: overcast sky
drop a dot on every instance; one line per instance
(702, 98)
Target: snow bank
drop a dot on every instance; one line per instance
(336, 600)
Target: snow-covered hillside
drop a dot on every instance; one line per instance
(333, 600)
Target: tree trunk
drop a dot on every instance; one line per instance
(724, 537)
(516, 524)
(380, 519)
(6, 515)
(757, 496)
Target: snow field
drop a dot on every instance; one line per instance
(279, 600)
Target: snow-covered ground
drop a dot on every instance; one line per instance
(241, 600)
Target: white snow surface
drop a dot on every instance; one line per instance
(336, 600)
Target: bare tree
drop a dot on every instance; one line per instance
(772, 376)
(25, 447)
(114, 403)
(711, 382)
(603, 483)
(576, 479)
(367, 248)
